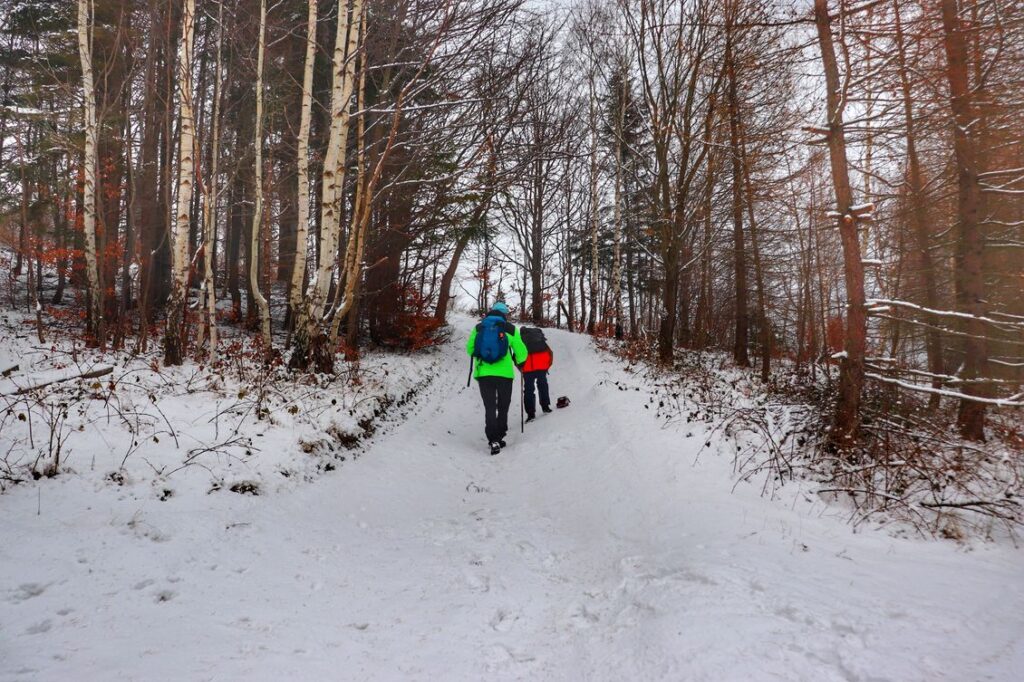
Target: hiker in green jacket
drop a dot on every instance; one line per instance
(497, 350)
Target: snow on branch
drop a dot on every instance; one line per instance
(943, 313)
(1012, 401)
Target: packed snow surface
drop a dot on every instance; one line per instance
(597, 546)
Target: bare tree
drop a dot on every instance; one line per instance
(851, 377)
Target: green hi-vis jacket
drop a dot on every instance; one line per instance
(506, 367)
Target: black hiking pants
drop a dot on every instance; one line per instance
(540, 377)
(497, 395)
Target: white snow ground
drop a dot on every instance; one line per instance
(591, 549)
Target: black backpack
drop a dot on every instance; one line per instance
(534, 339)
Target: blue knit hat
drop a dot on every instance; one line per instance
(500, 307)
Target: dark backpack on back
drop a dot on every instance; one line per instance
(491, 343)
(534, 339)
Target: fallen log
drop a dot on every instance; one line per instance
(47, 380)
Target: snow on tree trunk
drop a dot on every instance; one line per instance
(174, 336)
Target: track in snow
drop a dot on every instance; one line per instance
(590, 549)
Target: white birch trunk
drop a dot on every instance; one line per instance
(212, 193)
(357, 235)
(302, 229)
(334, 162)
(175, 332)
(90, 161)
(257, 214)
(311, 324)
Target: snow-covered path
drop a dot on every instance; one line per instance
(591, 549)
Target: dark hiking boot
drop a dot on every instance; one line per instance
(530, 418)
(546, 408)
(495, 448)
(502, 443)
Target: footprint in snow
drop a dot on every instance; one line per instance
(478, 560)
(39, 628)
(476, 582)
(526, 547)
(500, 656)
(26, 591)
(581, 618)
(502, 620)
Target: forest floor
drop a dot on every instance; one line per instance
(602, 544)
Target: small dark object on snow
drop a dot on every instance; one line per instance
(245, 488)
(562, 402)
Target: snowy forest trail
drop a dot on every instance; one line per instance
(591, 548)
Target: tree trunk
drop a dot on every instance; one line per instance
(212, 194)
(310, 330)
(594, 216)
(762, 305)
(969, 282)
(536, 238)
(851, 373)
(151, 216)
(298, 274)
(95, 292)
(741, 339)
(617, 239)
(174, 336)
(257, 215)
(919, 217)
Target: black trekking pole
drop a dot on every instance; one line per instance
(522, 397)
(469, 379)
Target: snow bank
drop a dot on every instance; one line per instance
(159, 431)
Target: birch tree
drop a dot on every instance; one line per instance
(212, 193)
(95, 291)
(257, 214)
(305, 115)
(312, 328)
(174, 336)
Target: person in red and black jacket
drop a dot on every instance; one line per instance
(535, 371)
